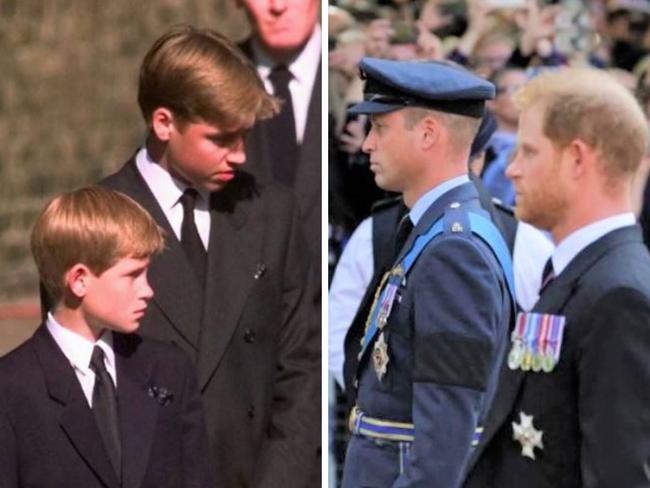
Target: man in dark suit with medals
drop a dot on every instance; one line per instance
(571, 409)
(232, 286)
(438, 325)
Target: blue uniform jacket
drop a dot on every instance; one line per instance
(446, 336)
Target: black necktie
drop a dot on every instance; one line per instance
(105, 409)
(190, 239)
(404, 229)
(282, 129)
(548, 275)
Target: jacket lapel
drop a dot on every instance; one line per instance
(138, 412)
(178, 293)
(75, 416)
(553, 301)
(236, 239)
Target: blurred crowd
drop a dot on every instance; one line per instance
(505, 41)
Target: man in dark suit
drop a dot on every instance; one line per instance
(86, 403)
(438, 325)
(232, 284)
(286, 48)
(571, 409)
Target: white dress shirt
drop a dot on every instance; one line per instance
(575, 242)
(351, 278)
(532, 249)
(78, 350)
(303, 68)
(168, 190)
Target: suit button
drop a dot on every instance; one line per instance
(251, 411)
(249, 336)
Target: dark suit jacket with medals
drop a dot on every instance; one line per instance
(249, 332)
(49, 437)
(307, 185)
(593, 409)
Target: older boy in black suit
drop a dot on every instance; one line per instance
(85, 402)
(231, 287)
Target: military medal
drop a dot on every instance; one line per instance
(555, 341)
(388, 296)
(530, 331)
(380, 356)
(527, 435)
(539, 344)
(516, 354)
(536, 342)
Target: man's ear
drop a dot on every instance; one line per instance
(581, 157)
(162, 123)
(76, 280)
(430, 132)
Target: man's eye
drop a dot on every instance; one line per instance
(224, 140)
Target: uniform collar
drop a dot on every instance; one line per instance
(426, 200)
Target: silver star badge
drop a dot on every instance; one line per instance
(527, 435)
(380, 356)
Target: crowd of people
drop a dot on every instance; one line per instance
(505, 42)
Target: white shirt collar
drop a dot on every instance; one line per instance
(425, 201)
(303, 67)
(78, 349)
(166, 189)
(579, 239)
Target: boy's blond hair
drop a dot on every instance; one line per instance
(201, 76)
(93, 226)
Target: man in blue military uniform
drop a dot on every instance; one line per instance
(437, 331)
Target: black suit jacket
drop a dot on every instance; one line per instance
(48, 434)
(250, 332)
(307, 185)
(594, 407)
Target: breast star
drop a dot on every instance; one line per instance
(527, 435)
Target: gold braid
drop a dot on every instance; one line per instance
(374, 302)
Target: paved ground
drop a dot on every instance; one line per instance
(17, 323)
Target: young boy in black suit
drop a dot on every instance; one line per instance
(85, 402)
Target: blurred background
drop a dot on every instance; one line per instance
(68, 81)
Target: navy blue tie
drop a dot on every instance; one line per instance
(548, 275)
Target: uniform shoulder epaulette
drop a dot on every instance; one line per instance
(456, 220)
(385, 203)
(503, 207)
